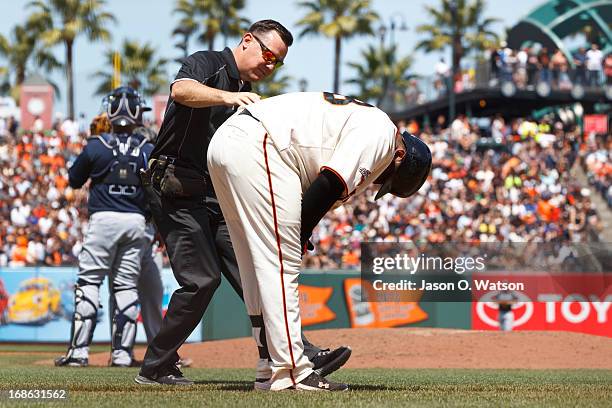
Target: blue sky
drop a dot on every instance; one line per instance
(310, 58)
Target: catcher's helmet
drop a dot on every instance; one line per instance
(124, 106)
(412, 171)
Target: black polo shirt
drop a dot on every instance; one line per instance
(186, 132)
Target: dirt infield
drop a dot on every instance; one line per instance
(423, 348)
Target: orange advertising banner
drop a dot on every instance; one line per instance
(313, 305)
(378, 314)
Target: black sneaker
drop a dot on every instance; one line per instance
(314, 382)
(326, 361)
(173, 376)
(65, 361)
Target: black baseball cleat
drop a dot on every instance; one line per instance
(172, 376)
(65, 361)
(326, 361)
(314, 382)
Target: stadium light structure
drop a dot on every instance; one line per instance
(397, 21)
(451, 80)
(392, 25)
(303, 84)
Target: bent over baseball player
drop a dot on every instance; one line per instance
(299, 155)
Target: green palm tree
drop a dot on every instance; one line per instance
(337, 19)
(19, 50)
(211, 18)
(183, 42)
(378, 72)
(275, 84)
(140, 68)
(187, 25)
(458, 24)
(63, 22)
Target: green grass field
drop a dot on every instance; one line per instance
(114, 387)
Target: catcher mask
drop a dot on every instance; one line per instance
(124, 106)
(412, 171)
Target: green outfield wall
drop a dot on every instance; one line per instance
(226, 316)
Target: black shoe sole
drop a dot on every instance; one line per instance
(68, 363)
(142, 380)
(335, 364)
(71, 365)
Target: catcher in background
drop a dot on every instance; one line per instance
(150, 287)
(115, 236)
(300, 154)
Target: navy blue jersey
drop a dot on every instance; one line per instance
(112, 161)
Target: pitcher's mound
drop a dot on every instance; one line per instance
(422, 348)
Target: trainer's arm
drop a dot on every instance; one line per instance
(322, 194)
(196, 95)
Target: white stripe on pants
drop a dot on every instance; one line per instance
(264, 226)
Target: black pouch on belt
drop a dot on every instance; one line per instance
(180, 181)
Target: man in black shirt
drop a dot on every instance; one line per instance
(208, 88)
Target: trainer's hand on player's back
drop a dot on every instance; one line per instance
(241, 98)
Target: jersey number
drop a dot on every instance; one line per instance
(336, 99)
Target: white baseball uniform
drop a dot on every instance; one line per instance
(260, 166)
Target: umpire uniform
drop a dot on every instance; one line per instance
(187, 214)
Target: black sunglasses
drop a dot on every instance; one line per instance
(268, 55)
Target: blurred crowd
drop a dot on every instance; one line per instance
(514, 185)
(597, 162)
(528, 66)
(508, 183)
(525, 67)
(41, 217)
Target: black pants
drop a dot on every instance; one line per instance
(199, 247)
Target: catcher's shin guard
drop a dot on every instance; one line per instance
(85, 316)
(124, 321)
(264, 370)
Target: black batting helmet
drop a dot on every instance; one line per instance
(124, 106)
(412, 171)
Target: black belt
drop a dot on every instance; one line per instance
(246, 112)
